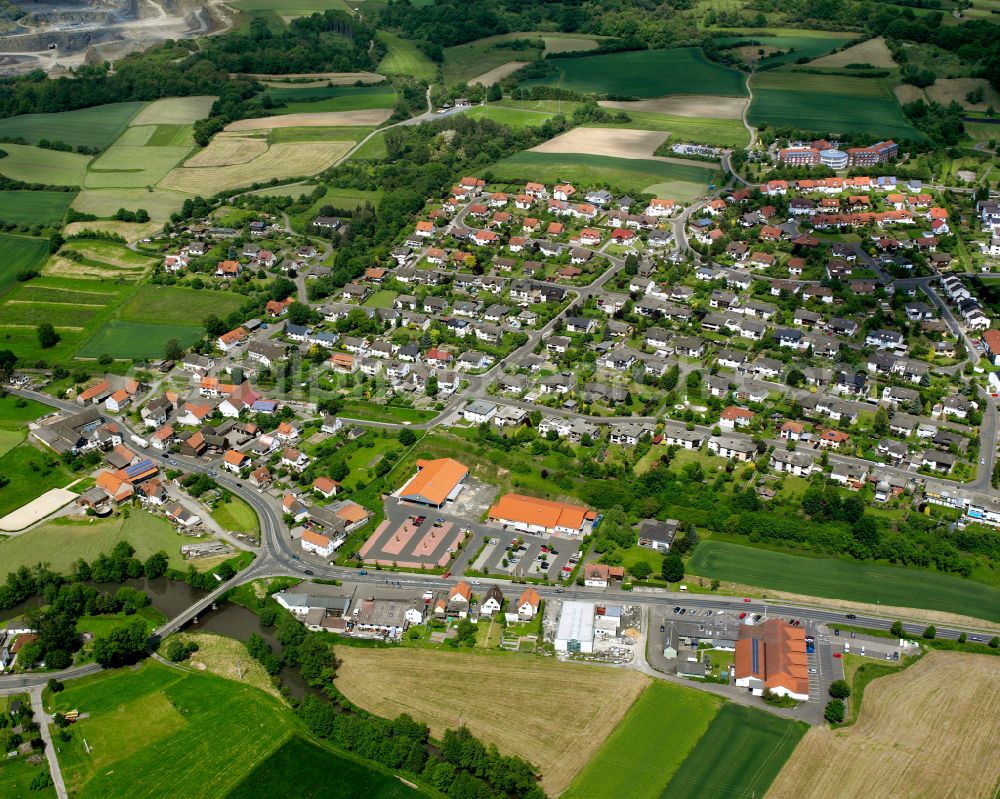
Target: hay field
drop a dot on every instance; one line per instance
(96, 126)
(944, 90)
(319, 119)
(613, 142)
(160, 204)
(175, 111)
(497, 74)
(38, 165)
(930, 731)
(519, 703)
(279, 161)
(129, 166)
(872, 52)
(226, 149)
(685, 106)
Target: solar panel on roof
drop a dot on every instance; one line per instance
(138, 468)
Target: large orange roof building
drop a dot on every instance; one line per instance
(773, 656)
(532, 515)
(435, 482)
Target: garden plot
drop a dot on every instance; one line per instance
(684, 106)
(278, 161)
(331, 119)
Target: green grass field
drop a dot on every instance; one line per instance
(648, 746)
(332, 98)
(121, 339)
(509, 116)
(828, 103)
(92, 127)
(236, 516)
(19, 253)
(160, 203)
(16, 776)
(703, 130)
(282, 135)
(38, 165)
(34, 207)
(403, 58)
(136, 160)
(204, 736)
(31, 472)
(61, 541)
(845, 579)
(794, 47)
(371, 150)
(176, 305)
(306, 765)
(360, 409)
(647, 73)
(739, 755)
(15, 411)
(668, 180)
(465, 62)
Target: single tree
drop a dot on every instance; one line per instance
(834, 712)
(407, 437)
(172, 350)
(930, 633)
(47, 336)
(673, 568)
(839, 689)
(897, 630)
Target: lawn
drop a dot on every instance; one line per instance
(403, 58)
(521, 704)
(205, 736)
(649, 746)
(362, 461)
(20, 253)
(646, 73)
(668, 180)
(38, 165)
(360, 409)
(739, 755)
(16, 776)
(381, 299)
(509, 116)
(93, 127)
(308, 767)
(332, 98)
(102, 625)
(236, 516)
(846, 579)
(15, 411)
(34, 207)
(637, 554)
(176, 305)
(61, 541)
(31, 473)
(121, 339)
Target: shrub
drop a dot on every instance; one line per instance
(834, 712)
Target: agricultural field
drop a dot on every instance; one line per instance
(473, 61)
(282, 135)
(787, 49)
(177, 305)
(437, 688)
(19, 253)
(872, 51)
(403, 58)
(933, 726)
(846, 579)
(227, 657)
(740, 754)
(97, 259)
(175, 111)
(34, 207)
(321, 119)
(59, 542)
(317, 79)
(134, 161)
(77, 308)
(129, 340)
(693, 105)
(204, 735)
(159, 203)
(828, 103)
(371, 150)
(90, 127)
(38, 165)
(668, 180)
(297, 100)
(649, 745)
(647, 74)
(703, 130)
(513, 117)
(277, 161)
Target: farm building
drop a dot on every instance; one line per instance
(576, 627)
(772, 656)
(542, 516)
(435, 483)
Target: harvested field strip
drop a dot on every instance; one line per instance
(846, 579)
(438, 688)
(685, 106)
(931, 731)
(649, 745)
(226, 149)
(175, 111)
(497, 74)
(279, 161)
(313, 120)
(740, 754)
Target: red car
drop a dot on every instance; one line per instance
(837, 655)
(746, 599)
(446, 575)
(743, 615)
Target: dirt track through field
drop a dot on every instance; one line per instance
(688, 106)
(932, 731)
(497, 74)
(614, 142)
(320, 119)
(552, 714)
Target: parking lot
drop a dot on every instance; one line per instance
(528, 555)
(419, 541)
